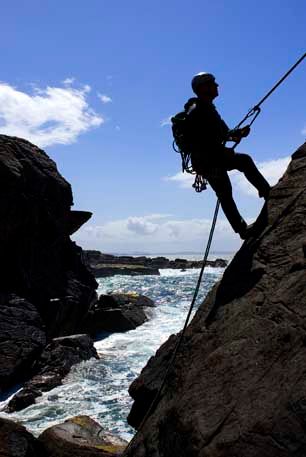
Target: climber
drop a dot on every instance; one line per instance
(211, 159)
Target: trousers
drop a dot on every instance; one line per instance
(221, 184)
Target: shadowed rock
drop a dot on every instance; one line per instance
(237, 387)
(39, 264)
(22, 338)
(16, 441)
(52, 366)
(117, 313)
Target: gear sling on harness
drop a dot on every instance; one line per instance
(252, 113)
(182, 141)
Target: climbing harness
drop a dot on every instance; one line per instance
(179, 123)
(253, 112)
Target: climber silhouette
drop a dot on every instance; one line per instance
(211, 159)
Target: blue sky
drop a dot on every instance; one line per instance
(94, 82)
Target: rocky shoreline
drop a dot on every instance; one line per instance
(49, 307)
(80, 436)
(103, 265)
(237, 385)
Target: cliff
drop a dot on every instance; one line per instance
(237, 387)
(47, 293)
(45, 289)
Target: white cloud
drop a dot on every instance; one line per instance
(166, 121)
(304, 131)
(53, 115)
(156, 233)
(104, 98)
(69, 81)
(271, 169)
(141, 226)
(184, 180)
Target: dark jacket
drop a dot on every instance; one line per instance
(208, 131)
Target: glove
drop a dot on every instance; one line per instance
(244, 131)
(236, 134)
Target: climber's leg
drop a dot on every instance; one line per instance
(245, 164)
(221, 184)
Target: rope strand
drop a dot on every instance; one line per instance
(177, 346)
(253, 112)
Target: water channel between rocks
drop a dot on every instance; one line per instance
(99, 388)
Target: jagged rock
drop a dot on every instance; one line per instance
(117, 313)
(83, 437)
(22, 338)
(39, 263)
(16, 441)
(237, 387)
(52, 366)
(77, 219)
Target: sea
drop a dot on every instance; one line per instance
(99, 388)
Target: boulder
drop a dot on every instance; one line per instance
(22, 338)
(16, 441)
(80, 436)
(117, 313)
(52, 366)
(237, 387)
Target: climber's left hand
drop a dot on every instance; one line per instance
(244, 131)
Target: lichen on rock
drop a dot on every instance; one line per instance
(81, 436)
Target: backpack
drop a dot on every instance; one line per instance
(182, 142)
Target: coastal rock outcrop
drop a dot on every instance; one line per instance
(16, 441)
(79, 436)
(83, 437)
(103, 265)
(237, 387)
(22, 338)
(117, 313)
(45, 289)
(52, 366)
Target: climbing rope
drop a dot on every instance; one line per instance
(253, 112)
(179, 341)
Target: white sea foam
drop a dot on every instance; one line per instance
(99, 388)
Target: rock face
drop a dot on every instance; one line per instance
(108, 265)
(80, 436)
(52, 366)
(237, 387)
(117, 313)
(45, 288)
(22, 337)
(16, 441)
